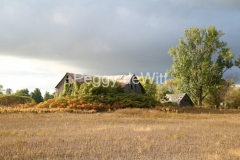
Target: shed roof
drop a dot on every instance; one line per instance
(175, 97)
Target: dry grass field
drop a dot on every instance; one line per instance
(123, 134)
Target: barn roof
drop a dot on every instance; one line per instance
(122, 79)
(175, 97)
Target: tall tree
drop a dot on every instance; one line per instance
(8, 91)
(1, 89)
(199, 61)
(47, 96)
(22, 92)
(37, 95)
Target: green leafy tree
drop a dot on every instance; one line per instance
(199, 62)
(22, 92)
(47, 96)
(149, 86)
(232, 99)
(162, 90)
(1, 89)
(169, 87)
(172, 84)
(37, 95)
(220, 93)
(54, 95)
(8, 91)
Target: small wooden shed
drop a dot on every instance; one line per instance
(180, 100)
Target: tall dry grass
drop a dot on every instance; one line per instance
(124, 134)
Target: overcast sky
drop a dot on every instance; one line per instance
(42, 40)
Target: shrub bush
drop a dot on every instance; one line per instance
(101, 102)
(14, 100)
(126, 100)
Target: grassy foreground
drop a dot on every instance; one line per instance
(123, 134)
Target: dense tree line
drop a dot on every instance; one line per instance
(36, 95)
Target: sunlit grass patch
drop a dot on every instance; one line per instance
(154, 113)
(234, 152)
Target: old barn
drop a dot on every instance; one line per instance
(129, 83)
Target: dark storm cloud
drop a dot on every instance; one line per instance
(110, 37)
